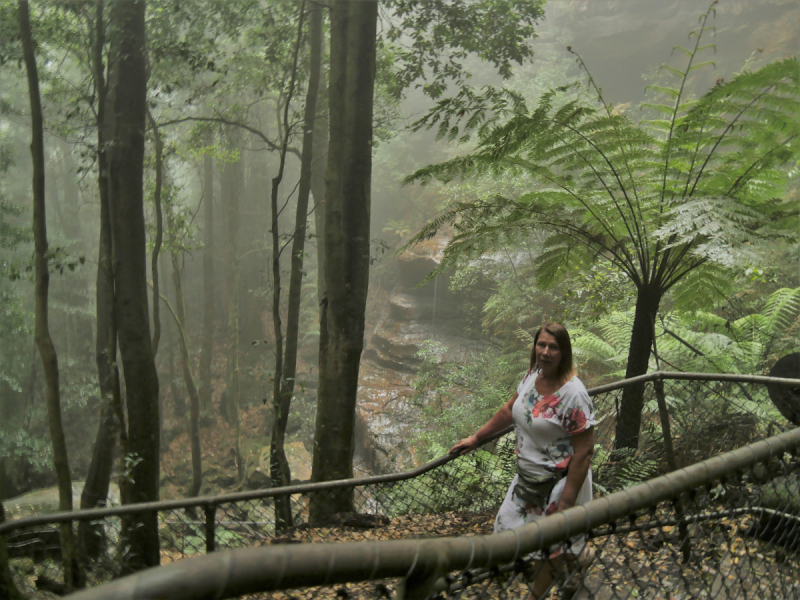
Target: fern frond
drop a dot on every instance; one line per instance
(701, 286)
(589, 346)
(673, 71)
(781, 308)
(662, 89)
(700, 65)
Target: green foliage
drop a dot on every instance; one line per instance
(460, 397)
(629, 193)
(437, 37)
(748, 344)
(699, 340)
(36, 450)
(676, 202)
(475, 482)
(628, 468)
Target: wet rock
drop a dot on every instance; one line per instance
(257, 479)
(299, 463)
(45, 501)
(386, 408)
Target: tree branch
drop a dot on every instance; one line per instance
(270, 144)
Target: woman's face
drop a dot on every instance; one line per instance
(548, 354)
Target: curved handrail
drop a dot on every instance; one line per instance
(305, 488)
(732, 377)
(207, 501)
(266, 568)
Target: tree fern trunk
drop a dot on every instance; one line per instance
(630, 416)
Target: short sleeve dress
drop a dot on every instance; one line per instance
(543, 426)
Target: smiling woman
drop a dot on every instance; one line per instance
(554, 420)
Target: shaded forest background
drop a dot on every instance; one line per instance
(227, 162)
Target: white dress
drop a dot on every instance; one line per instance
(543, 426)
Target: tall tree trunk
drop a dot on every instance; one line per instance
(72, 574)
(283, 381)
(230, 407)
(95, 491)
(347, 215)
(207, 346)
(159, 231)
(630, 411)
(126, 168)
(186, 365)
(301, 216)
(319, 158)
(8, 589)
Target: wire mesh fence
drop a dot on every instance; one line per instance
(724, 528)
(459, 496)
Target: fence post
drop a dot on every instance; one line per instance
(427, 574)
(658, 384)
(211, 512)
(683, 530)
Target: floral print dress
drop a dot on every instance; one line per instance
(543, 426)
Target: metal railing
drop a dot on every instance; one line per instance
(452, 495)
(743, 549)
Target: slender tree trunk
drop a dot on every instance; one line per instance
(207, 346)
(159, 231)
(186, 366)
(72, 573)
(30, 395)
(233, 175)
(301, 216)
(98, 478)
(8, 589)
(178, 398)
(281, 389)
(126, 167)
(630, 413)
(347, 195)
(319, 159)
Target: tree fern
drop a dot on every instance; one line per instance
(673, 201)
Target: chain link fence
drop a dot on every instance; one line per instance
(458, 496)
(724, 528)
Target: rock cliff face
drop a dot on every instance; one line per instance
(387, 416)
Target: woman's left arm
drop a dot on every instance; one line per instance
(583, 445)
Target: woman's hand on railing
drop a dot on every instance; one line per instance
(465, 445)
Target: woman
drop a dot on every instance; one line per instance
(553, 419)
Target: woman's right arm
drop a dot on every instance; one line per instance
(501, 419)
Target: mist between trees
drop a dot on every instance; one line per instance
(220, 287)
